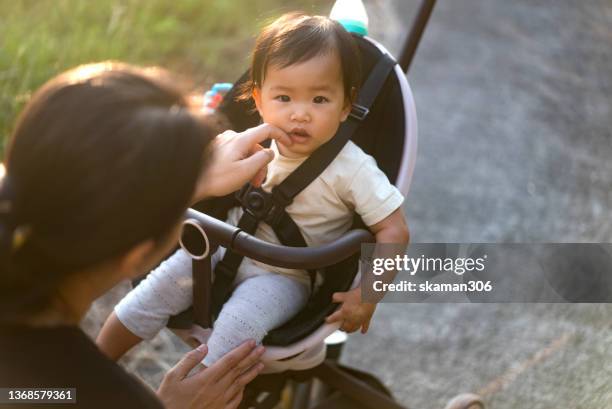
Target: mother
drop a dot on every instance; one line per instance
(102, 164)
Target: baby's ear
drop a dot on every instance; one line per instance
(346, 110)
(348, 104)
(353, 95)
(257, 98)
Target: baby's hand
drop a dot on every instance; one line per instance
(353, 314)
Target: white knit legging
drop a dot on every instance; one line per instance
(258, 304)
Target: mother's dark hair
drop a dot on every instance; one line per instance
(102, 158)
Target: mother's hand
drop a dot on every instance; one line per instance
(236, 159)
(218, 387)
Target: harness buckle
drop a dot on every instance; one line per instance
(359, 112)
(263, 206)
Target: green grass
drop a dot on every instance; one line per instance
(203, 40)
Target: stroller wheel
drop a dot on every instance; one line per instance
(466, 401)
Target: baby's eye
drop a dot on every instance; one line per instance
(282, 98)
(320, 99)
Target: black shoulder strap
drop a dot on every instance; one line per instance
(270, 207)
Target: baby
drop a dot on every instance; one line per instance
(304, 78)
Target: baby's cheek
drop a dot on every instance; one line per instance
(271, 115)
(332, 128)
(273, 123)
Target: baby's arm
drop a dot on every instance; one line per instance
(353, 313)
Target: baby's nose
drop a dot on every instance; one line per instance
(300, 115)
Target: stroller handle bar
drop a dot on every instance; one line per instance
(200, 232)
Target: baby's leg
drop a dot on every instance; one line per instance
(144, 311)
(166, 291)
(258, 305)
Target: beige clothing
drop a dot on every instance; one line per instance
(324, 210)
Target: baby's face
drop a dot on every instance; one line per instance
(306, 100)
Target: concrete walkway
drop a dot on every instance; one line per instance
(515, 141)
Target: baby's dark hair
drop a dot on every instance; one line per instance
(294, 38)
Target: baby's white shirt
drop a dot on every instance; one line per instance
(323, 211)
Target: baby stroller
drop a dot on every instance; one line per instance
(383, 124)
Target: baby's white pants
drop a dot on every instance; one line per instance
(258, 304)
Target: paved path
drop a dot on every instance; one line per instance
(515, 141)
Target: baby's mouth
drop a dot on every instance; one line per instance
(299, 135)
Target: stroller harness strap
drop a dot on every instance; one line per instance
(259, 205)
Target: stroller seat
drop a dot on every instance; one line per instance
(388, 132)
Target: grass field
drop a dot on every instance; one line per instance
(204, 40)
